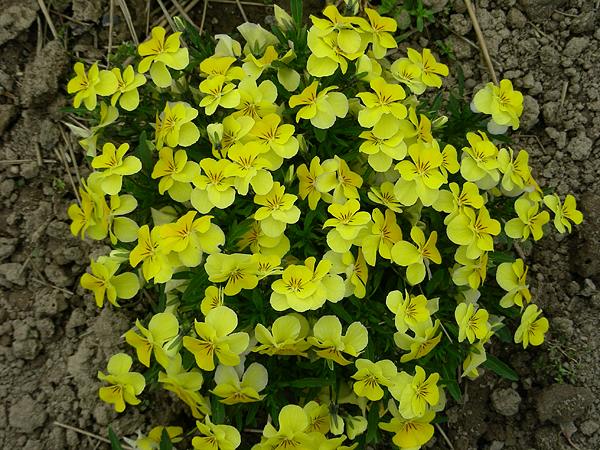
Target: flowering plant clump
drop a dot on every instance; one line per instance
(319, 244)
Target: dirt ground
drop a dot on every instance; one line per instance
(53, 338)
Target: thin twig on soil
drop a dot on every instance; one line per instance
(481, 40)
(87, 433)
(111, 20)
(536, 138)
(71, 153)
(24, 161)
(563, 95)
(62, 156)
(242, 11)
(40, 36)
(48, 18)
(566, 14)
(43, 281)
(519, 251)
(184, 14)
(167, 15)
(127, 15)
(240, 2)
(38, 154)
(203, 16)
(437, 425)
(70, 19)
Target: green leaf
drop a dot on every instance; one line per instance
(500, 368)
(165, 440)
(453, 388)
(296, 6)
(435, 281)
(372, 422)
(321, 135)
(114, 440)
(386, 6)
(461, 80)
(499, 257)
(142, 151)
(218, 410)
(340, 311)
(308, 382)
(503, 334)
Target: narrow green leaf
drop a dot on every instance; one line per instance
(503, 334)
(453, 388)
(296, 6)
(309, 382)
(114, 440)
(372, 422)
(386, 6)
(500, 368)
(165, 440)
(341, 312)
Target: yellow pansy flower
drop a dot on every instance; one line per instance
(348, 221)
(234, 131)
(420, 178)
(386, 100)
(287, 336)
(512, 277)
(474, 231)
(408, 73)
(430, 68)
(472, 272)
(237, 269)
(292, 424)
(161, 332)
(503, 103)
(213, 188)
(276, 211)
(424, 340)
(213, 297)
(288, 77)
(161, 53)
(127, 93)
(249, 169)
(216, 65)
(256, 101)
(259, 242)
(232, 390)
(155, 263)
(410, 310)
(216, 437)
(122, 228)
(327, 335)
(175, 173)
(115, 167)
(190, 238)
(455, 201)
(307, 178)
(87, 86)
(384, 195)
(528, 221)
(471, 324)
(322, 108)
(318, 417)
(416, 392)
(104, 282)
(155, 436)
(215, 337)
(371, 376)
(384, 143)
(516, 172)
(125, 385)
(177, 128)
(338, 177)
(480, 161)
(385, 232)
(218, 92)
(410, 432)
(531, 330)
(417, 258)
(272, 135)
(186, 385)
(381, 27)
(564, 213)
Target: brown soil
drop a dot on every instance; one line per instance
(53, 338)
